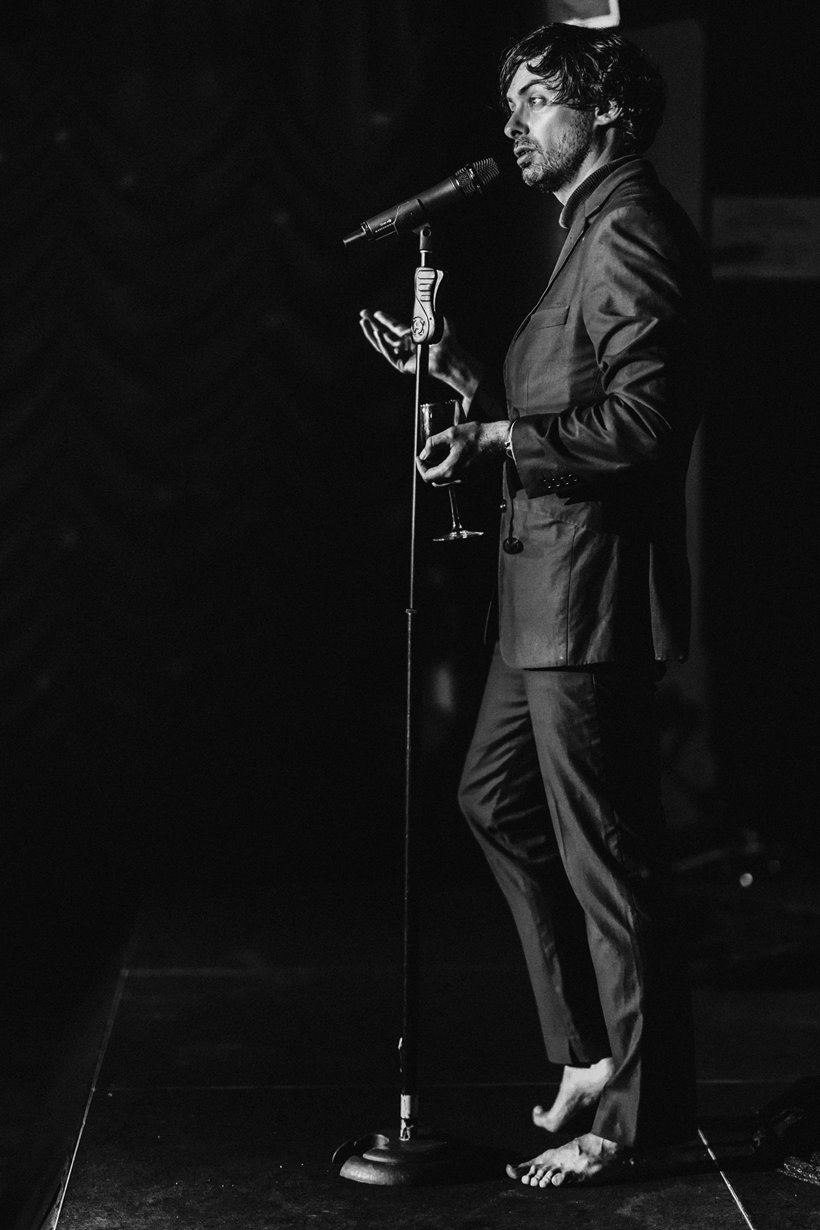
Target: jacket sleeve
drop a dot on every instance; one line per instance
(636, 314)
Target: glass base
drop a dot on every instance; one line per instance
(454, 534)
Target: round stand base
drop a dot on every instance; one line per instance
(384, 1159)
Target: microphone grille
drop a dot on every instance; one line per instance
(476, 176)
(485, 171)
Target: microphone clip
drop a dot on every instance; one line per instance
(426, 328)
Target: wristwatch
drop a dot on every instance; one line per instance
(508, 443)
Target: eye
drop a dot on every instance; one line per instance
(537, 100)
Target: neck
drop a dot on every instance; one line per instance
(597, 157)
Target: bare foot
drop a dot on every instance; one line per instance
(580, 1088)
(578, 1161)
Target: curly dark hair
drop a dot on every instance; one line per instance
(591, 68)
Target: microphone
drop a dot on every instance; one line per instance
(410, 214)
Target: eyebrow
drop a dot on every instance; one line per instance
(529, 84)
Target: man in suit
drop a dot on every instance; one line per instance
(604, 385)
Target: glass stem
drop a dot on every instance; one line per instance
(454, 510)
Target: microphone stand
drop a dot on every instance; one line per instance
(410, 1156)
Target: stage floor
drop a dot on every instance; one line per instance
(246, 1034)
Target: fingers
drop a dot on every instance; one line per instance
(390, 337)
(438, 471)
(447, 455)
(397, 327)
(374, 336)
(429, 475)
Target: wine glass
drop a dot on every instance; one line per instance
(436, 416)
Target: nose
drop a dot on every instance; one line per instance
(515, 126)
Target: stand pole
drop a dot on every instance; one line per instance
(408, 1043)
(411, 1156)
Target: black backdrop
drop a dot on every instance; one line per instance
(205, 474)
(762, 442)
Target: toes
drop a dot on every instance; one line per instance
(538, 1174)
(523, 1172)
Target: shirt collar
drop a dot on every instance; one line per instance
(588, 186)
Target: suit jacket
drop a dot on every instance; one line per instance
(605, 380)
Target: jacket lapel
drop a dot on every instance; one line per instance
(578, 227)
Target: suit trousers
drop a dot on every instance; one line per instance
(561, 787)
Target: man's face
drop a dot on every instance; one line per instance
(551, 139)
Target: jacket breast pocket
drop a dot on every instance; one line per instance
(549, 317)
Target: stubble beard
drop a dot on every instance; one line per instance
(552, 170)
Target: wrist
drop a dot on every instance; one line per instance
(461, 372)
(494, 437)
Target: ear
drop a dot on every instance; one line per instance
(608, 113)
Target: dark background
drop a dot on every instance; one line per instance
(205, 474)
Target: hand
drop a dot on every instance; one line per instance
(391, 338)
(449, 362)
(464, 444)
